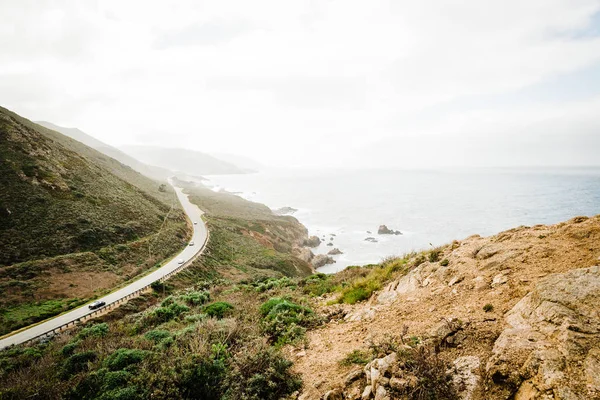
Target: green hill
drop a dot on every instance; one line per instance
(73, 222)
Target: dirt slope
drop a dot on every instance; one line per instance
(445, 304)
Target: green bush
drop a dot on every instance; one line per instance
(218, 309)
(444, 262)
(78, 362)
(356, 357)
(96, 330)
(196, 298)
(434, 255)
(203, 379)
(69, 349)
(123, 358)
(285, 321)
(274, 283)
(488, 307)
(167, 313)
(157, 335)
(264, 375)
(317, 284)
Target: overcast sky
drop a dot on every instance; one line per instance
(316, 83)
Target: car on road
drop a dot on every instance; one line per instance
(195, 223)
(191, 243)
(96, 304)
(180, 261)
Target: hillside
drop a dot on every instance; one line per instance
(187, 161)
(73, 221)
(80, 136)
(511, 316)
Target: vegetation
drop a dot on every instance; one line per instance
(73, 223)
(358, 357)
(444, 262)
(488, 307)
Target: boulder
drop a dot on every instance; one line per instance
(321, 259)
(312, 241)
(551, 344)
(329, 244)
(334, 394)
(384, 230)
(464, 375)
(334, 252)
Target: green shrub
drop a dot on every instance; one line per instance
(157, 335)
(285, 321)
(218, 309)
(167, 313)
(444, 262)
(317, 284)
(123, 358)
(78, 362)
(274, 283)
(96, 330)
(264, 375)
(196, 298)
(356, 357)
(69, 349)
(203, 379)
(434, 255)
(488, 307)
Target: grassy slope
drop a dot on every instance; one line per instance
(69, 213)
(247, 235)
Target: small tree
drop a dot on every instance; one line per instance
(162, 187)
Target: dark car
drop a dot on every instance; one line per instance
(96, 304)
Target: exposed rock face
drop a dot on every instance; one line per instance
(312, 241)
(321, 259)
(552, 344)
(384, 230)
(334, 252)
(303, 253)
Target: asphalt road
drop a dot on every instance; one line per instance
(199, 239)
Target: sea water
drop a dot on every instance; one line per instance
(429, 207)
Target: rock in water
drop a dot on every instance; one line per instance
(321, 260)
(334, 252)
(312, 241)
(384, 230)
(371, 239)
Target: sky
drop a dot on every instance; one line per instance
(313, 83)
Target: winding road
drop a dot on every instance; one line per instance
(199, 239)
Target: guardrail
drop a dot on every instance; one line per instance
(111, 306)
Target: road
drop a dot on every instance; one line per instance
(189, 253)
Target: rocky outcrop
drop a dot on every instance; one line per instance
(321, 260)
(384, 230)
(303, 253)
(334, 252)
(551, 348)
(312, 241)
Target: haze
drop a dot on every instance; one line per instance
(316, 83)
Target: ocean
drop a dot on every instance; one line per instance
(430, 207)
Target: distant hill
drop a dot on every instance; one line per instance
(80, 136)
(188, 161)
(60, 196)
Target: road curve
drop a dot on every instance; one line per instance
(199, 238)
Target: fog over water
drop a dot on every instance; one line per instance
(427, 206)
